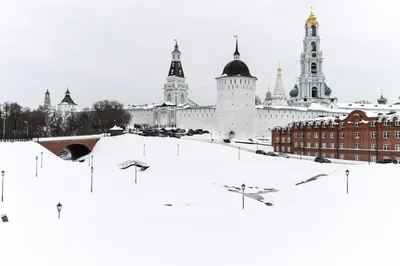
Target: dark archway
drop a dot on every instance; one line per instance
(231, 135)
(313, 68)
(314, 92)
(74, 151)
(313, 30)
(313, 47)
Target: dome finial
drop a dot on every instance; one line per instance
(279, 66)
(236, 55)
(312, 19)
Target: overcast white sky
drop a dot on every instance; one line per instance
(121, 49)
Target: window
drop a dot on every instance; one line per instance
(323, 145)
(276, 148)
(397, 135)
(295, 144)
(373, 123)
(308, 153)
(356, 123)
(301, 145)
(332, 125)
(386, 122)
(308, 135)
(373, 147)
(357, 135)
(385, 135)
(295, 135)
(316, 145)
(314, 71)
(316, 135)
(341, 135)
(323, 135)
(373, 158)
(341, 156)
(315, 154)
(301, 135)
(373, 135)
(341, 124)
(386, 147)
(323, 125)
(323, 155)
(332, 135)
(282, 149)
(397, 123)
(283, 140)
(308, 145)
(332, 156)
(332, 145)
(357, 146)
(357, 157)
(341, 145)
(397, 147)
(288, 140)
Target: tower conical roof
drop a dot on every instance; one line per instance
(67, 98)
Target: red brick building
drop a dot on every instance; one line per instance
(360, 136)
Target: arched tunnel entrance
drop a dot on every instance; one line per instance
(74, 151)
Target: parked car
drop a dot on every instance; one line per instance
(284, 155)
(388, 160)
(261, 152)
(271, 153)
(321, 160)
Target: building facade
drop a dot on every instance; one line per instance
(359, 136)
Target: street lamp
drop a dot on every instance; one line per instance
(59, 207)
(41, 159)
(91, 179)
(135, 174)
(2, 185)
(347, 186)
(36, 165)
(92, 160)
(243, 188)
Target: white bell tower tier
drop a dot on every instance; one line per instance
(235, 108)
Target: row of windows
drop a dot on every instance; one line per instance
(386, 135)
(385, 147)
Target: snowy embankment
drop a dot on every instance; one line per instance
(181, 213)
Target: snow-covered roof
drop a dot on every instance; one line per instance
(369, 106)
(116, 128)
(312, 107)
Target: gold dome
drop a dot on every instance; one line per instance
(312, 20)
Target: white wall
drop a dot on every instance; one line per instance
(196, 118)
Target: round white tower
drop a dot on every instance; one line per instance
(235, 108)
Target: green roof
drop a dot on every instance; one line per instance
(68, 99)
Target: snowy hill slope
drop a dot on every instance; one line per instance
(122, 223)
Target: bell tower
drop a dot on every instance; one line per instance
(312, 79)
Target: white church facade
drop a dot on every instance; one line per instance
(235, 114)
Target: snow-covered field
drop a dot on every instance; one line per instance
(182, 212)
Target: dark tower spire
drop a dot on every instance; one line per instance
(176, 65)
(236, 55)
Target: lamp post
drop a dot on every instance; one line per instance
(144, 149)
(347, 183)
(135, 174)
(41, 159)
(2, 185)
(243, 188)
(89, 159)
(92, 160)
(91, 179)
(177, 151)
(211, 137)
(59, 207)
(36, 165)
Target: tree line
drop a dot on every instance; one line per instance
(19, 122)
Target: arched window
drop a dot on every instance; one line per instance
(313, 47)
(313, 68)
(313, 30)
(314, 92)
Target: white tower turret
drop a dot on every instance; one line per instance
(279, 96)
(176, 89)
(235, 100)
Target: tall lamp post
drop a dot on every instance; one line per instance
(92, 160)
(135, 174)
(243, 188)
(347, 182)
(59, 207)
(36, 165)
(2, 185)
(91, 179)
